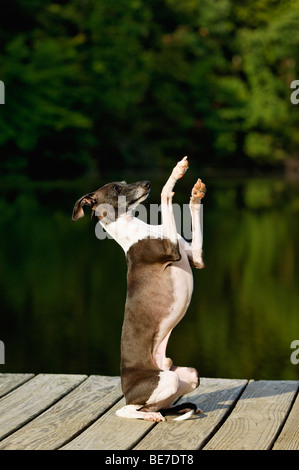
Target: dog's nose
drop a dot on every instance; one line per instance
(146, 184)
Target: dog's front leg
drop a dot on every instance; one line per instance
(195, 251)
(168, 221)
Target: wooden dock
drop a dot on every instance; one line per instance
(57, 411)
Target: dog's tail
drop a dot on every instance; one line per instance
(187, 407)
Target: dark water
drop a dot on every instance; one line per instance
(63, 290)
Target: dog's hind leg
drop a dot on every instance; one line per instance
(162, 396)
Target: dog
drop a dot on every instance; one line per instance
(159, 290)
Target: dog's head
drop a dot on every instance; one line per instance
(112, 200)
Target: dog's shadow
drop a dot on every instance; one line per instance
(210, 401)
(222, 399)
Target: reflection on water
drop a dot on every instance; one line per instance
(63, 290)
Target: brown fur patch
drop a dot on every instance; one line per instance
(149, 300)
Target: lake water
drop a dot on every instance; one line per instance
(63, 290)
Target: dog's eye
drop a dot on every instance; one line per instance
(117, 189)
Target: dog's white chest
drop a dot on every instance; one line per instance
(127, 230)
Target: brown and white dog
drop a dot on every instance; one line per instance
(159, 290)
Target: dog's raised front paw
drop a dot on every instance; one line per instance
(180, 168)
(198, 192)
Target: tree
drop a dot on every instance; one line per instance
(126, 83)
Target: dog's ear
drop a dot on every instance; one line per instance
(87, 200)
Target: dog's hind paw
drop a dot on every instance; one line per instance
(131, 411)
(155, 417)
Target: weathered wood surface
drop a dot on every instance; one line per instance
(32, 398)
(70, 415)
(111, 433)
(289, 436)
(257, 417)
(8, 382)
(57, 411)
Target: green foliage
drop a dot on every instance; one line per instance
(130, 83)
(269, 63)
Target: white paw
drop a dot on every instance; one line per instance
(155, 417)
(198, 192)
(180, 168)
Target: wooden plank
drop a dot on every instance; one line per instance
(214, 397)
(9, 382)
(110, 432)
(32, 398)
(257, 417)
(289, 436)
(69, 416)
